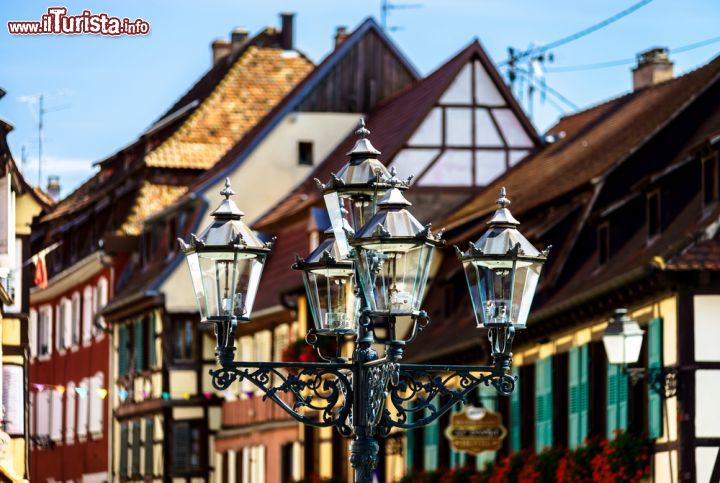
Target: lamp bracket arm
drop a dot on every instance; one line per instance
(432, 390)
(300, 389)
(661, 380)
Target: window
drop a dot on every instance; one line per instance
(183, 340)
(603, 243)
(305, 153)
(45, 331)
(101, 300)
(70, 396)
(186, 446)
(136, 446)
(149, 446)
(56, 413)
(123, 450)
(710, 178)
(123, 350)
(88, 312)
(95, 402)
(653, 214)
(63, 311)
(82, 416)
(140, 359)
(75, 317)
(43, 413)
(33, 333)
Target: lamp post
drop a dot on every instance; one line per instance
(623, 341)
(371, 271)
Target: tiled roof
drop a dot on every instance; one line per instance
(150, 199)
(392, 124)
(257, 81)
(590, 143)
(703, 255)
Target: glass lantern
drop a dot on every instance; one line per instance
(622, 339)
(352, 194)
(394, 251)
(225, 261)
(502, 270)
(329, 282)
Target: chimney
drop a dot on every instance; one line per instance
(287, 34)
(654, 66)
(53, 187)
(238, 37)
(220, 48)
(341, 34)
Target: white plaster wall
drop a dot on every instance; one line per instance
(707, 327)
(264, 178)
(704, 463)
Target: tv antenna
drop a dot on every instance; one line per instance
(386, 6)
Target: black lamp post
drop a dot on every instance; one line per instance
(372, 272)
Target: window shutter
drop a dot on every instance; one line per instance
(515, 414)
(543, 404)
(122, 350)
(617, 400)
(32, 332)
(623, 391)
(432, 433)
(149, 446)
(181, 446)
(123, 449)
(409, 445)
(574, 396)
(654, 362)
(43, 413)
(136, 448)
(82, 419)
(139, 345)
(70, 413)
(87, 310)
(96, 404)
(152, 341)
(56, 415)
(584, 393)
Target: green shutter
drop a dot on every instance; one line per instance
(488, 399)
(432, 440)
(515, 414)
(122, 350)
(149, 442)
(543, 404)
(139, 344)
(152, 321)
(617, 400)
(578, 396)
(654, 362)
(409, 445)
(584, 393)
(123, 449)
(136, 448)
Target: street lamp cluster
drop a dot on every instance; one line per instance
(369, 273)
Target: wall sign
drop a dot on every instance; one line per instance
(475, 430)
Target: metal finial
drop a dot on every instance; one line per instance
(362, 131)
(503, 201)
(227, 191)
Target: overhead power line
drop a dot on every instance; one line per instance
(619, 62)
(577, 35)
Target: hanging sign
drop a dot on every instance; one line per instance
(475, 430)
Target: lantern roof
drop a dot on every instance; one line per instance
(503, 237)
(328, 253)
(227, 230)
(621, 324)
(394, 220)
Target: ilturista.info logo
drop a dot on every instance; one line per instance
(56, 21)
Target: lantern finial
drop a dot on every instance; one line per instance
(227, 191)
(503, 201)
(362, 131)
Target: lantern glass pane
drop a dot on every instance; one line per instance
(334, 305)
(228, 282)
(621, 348)
(502, 291)
(336, 213)
(393, 276)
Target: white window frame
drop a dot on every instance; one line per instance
(82, 419)
(46, 322)
(70, 412)
(56, 414)
(33, 333)
(43, 413)
(88, 313)
(75, 317)
(95, 403)
(101, 300)
(63, 313)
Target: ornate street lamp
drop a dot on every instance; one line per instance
(353, 292)
(352, 194)
(330, 285)
(623, 341)
(502, 270)
(225, 260)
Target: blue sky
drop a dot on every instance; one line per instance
(105, 91)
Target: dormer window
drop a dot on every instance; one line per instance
(603, 243)
(305, 153)
(654, 225)
(710, 178)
